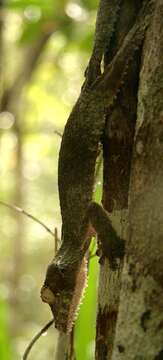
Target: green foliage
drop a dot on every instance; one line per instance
(86, 324)
(5, 348)
(91, 4)
(46, 6)
(38, 17)
(85, 328)
(28, 169)
(41, 17)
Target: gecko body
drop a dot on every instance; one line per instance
(77, 160)
(66, 275)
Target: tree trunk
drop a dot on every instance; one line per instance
(117, 152)
(139, 333)
(130, 320)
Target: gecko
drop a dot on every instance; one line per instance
(66, 275)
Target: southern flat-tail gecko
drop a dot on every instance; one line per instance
(66, 275)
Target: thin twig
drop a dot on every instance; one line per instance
(56, 240)
(57, 132)
(71, 346)
(35, 338)
(18, 209)
(62, 346)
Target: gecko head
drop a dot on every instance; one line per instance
(62, 290)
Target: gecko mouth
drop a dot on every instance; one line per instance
(60, 309)
(59, 304)
(65, 304)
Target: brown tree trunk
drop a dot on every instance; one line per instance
(139, 332)
(129, 319)
(117, 152)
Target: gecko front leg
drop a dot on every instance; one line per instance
(112, 245)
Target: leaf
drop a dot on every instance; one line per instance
(86, 323)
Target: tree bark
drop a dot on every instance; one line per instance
(130, 321)
(117, 152)
(139, 332)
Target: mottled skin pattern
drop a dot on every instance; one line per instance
(81, 138)
(66, 275)
(81, 141)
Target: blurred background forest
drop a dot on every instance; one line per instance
(44, 49)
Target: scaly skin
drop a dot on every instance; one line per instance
(107, 18)
(77, 159)
(66, 275)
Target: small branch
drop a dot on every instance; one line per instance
(16, 208)
(62, 346)
(56, 240)
(57, 132)
(71, 346)
(35, 338)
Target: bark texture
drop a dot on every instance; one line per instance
(117, 151)
(139, 331)
(130, 323)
